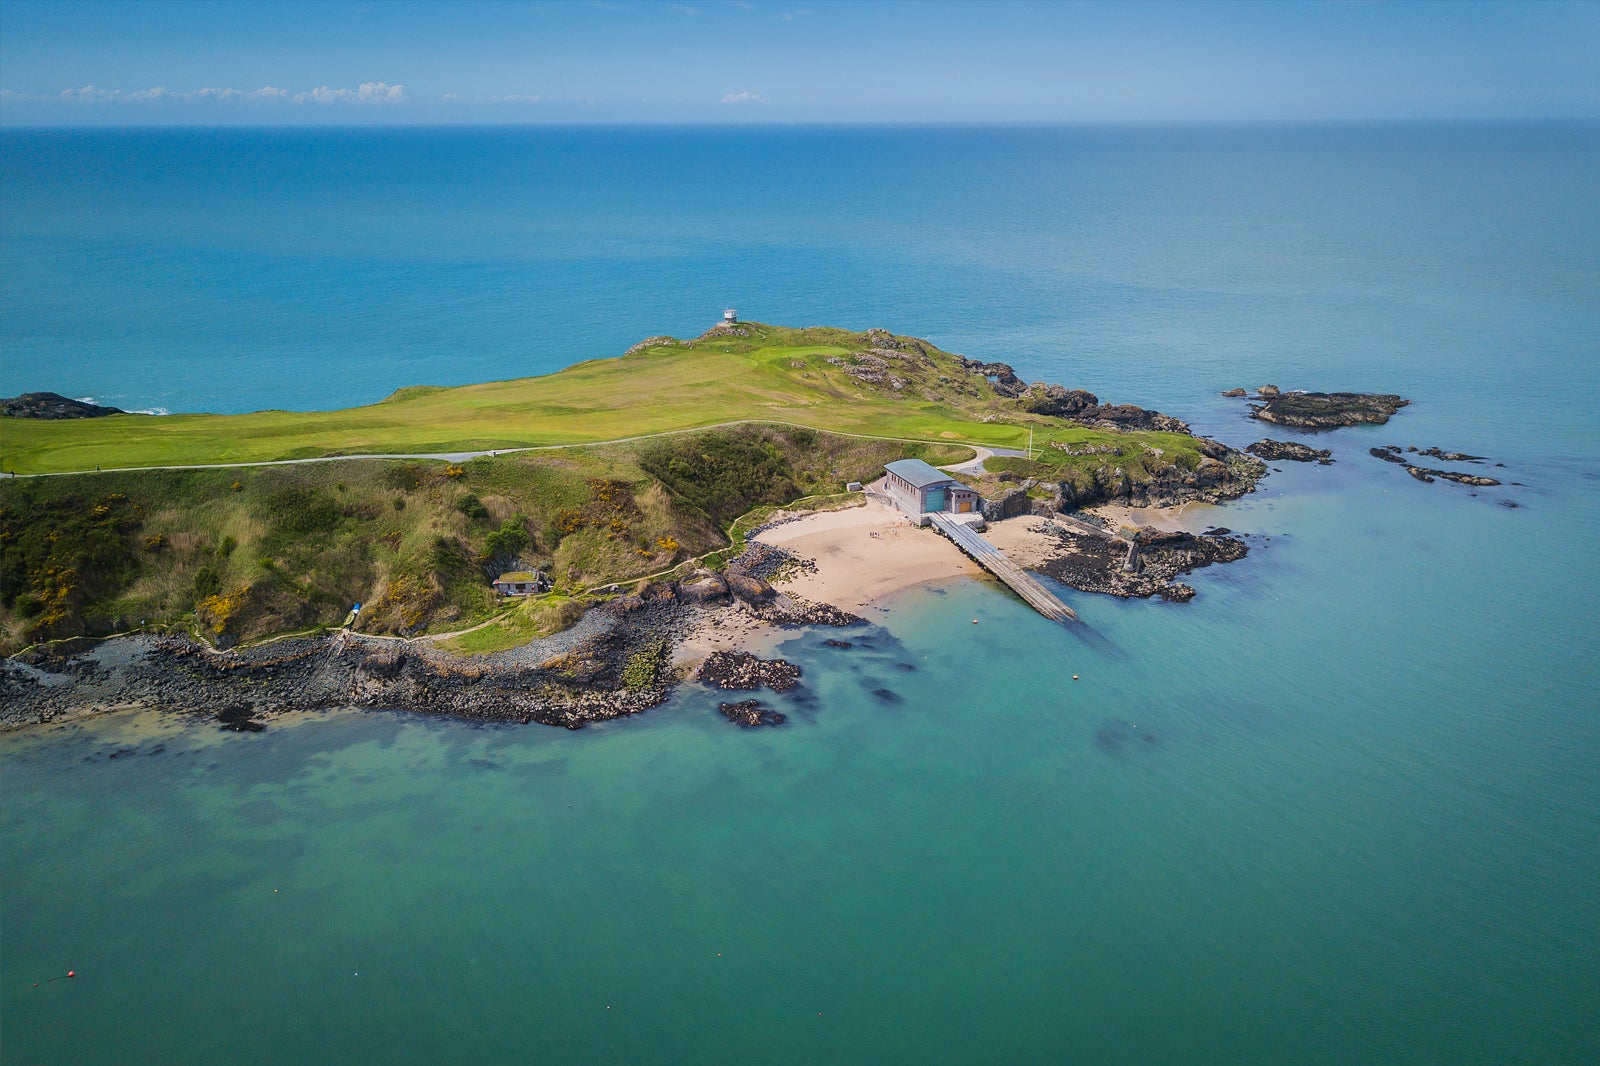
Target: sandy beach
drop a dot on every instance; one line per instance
(864, 554)
(1189, 517)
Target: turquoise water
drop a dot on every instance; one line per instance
(1367, 827)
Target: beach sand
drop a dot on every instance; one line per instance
(1189, 517)
(864, 554)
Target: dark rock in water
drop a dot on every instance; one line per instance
(1465, 479)
(909, 668)
(1326, 410)
(1096, 564)
(236, 719)
(53, 406)
(1113, 735)
(120, 752)
(740, 670)
(1389, 454)
(1450, 457)
(1291, 451)
(1235, 393)
(1110, 737)
(1425, 474)
(830, 642)
(887, 695)
(1510, 503)
(750, 714)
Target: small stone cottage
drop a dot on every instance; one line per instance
(521, 583)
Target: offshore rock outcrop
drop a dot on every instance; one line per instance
(53, 406)
(1391, 453)
(1098, 564)
(739, 670)
(1324, 410)
(1289, 450)
(751, 714)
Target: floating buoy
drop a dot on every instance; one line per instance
(1074, 677)
(72, 973)
(974, 621)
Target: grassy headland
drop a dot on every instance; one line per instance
(770, 374)
(237, 553)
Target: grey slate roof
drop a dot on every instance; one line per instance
(918, 473)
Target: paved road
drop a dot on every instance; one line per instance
(975, 466)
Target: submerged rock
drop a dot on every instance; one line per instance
(751, 714)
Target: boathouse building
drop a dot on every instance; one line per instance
(919, 489)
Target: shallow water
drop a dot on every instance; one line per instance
(1344, 806)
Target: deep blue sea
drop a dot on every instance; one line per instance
(1343, 807)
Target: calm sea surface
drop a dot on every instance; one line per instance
(1343, 807)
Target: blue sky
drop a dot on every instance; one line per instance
(707, 61)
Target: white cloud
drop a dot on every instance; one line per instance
(372, 92)
(742, 98)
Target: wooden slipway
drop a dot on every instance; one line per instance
(993, 560)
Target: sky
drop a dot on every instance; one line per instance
(716, 62)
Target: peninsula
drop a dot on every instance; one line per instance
(623, 492)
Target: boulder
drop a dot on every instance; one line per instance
(1057, 402)
(750, 589)
(702, 586)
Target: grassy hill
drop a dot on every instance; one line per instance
(237, 553)
(769, 374)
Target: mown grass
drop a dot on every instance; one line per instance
(778, 375)
(535, 617)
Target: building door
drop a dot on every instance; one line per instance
(933, 501)
(964, 507)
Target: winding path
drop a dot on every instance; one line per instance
(974, 465)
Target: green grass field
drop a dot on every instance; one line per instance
(776, 375)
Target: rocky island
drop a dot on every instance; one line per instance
(1321, 410)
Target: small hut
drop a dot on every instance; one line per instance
(521, 583)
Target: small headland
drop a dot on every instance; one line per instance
(52, 406)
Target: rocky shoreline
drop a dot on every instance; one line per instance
(1158, 558)
(616, 662)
